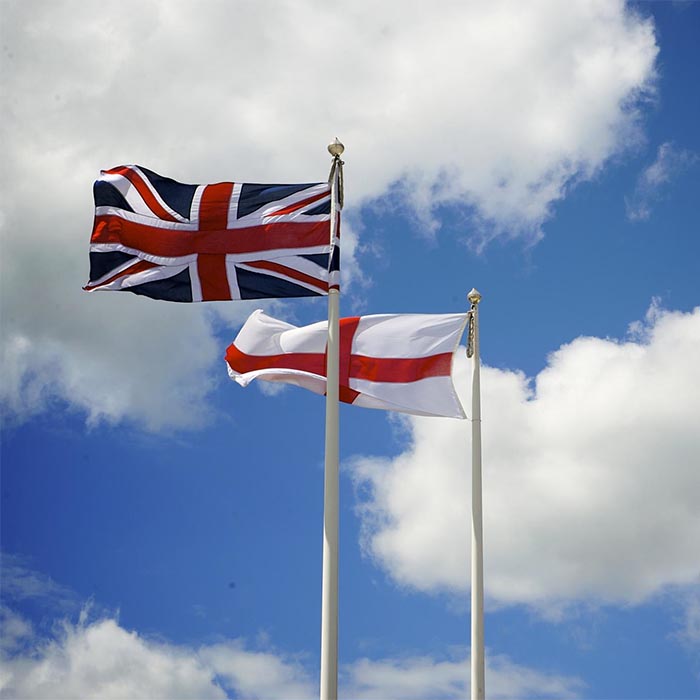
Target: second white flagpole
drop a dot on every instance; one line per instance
(329, 595)
(477, 612)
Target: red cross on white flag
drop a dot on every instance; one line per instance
(396, 362)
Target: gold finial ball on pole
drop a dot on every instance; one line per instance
(336, 148)
(474, 296)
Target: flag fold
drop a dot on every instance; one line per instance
(167, 240)
(395, 362)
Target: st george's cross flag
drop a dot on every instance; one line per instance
(168, 240)
(400, 362)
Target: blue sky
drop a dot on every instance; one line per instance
(161, 526)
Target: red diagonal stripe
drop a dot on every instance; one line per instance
(143, 189)
(175, 242)
(288, 272)
(300, 205)
(140, 266)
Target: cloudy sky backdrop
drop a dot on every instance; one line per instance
(161, 526)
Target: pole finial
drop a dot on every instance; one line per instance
(336, 148)
(474, 296)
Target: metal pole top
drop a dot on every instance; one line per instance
(336, 148)
(473, 296)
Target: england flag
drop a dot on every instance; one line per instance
(400, 362)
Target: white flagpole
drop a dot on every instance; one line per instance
(329, 596)
(477, 612)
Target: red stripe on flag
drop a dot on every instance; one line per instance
(347, 395)
(143, 189)
(174, 242)
(100, 230)
(400, 369)
(140, 266)
(314, 363)
(299, 205)
(376, 369)
(288, 272)
(213, 278)
(214, 206)
(348, 328)
(240, 362)
(390, 370)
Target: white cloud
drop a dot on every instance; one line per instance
(416, 678)
(670, 162)
(112, 356)
(259, 674)
(497, 105)
(590, 477)
(101, 659)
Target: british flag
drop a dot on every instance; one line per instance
(167, 240)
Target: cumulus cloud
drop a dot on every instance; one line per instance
(497, 106)
(553, 94)
(101, 659)
(670, 162)
(590, 477)
(259, 674)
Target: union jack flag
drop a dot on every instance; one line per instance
(167, 240)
